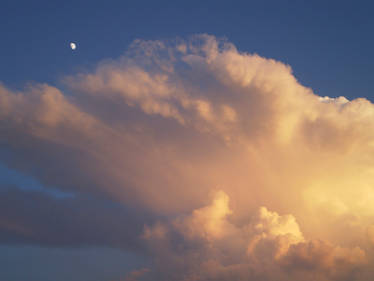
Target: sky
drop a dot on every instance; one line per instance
(186, 141)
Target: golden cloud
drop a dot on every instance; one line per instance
(170, 121)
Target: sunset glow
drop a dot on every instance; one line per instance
(197, 159)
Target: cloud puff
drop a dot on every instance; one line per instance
(206, 245)
(136, 274)
(161, 127)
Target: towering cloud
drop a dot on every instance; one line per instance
(244, 173)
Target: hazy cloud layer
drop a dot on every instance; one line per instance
(170, 123)
(32, 217)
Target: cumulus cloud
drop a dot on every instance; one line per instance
(161, 127)
(206, 245)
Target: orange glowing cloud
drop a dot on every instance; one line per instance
(270, 247)
(171, 122)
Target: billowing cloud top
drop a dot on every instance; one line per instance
(236, 171)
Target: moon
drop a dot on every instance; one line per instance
(73, 46)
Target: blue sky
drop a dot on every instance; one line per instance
(328, 44)
(325, 42)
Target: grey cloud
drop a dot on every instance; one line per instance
(33, 217)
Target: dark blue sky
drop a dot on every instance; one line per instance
(329, 45)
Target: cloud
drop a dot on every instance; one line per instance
(33, 217)
(161, 127)
(136, 274)
(206, 244)
(323, 258)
